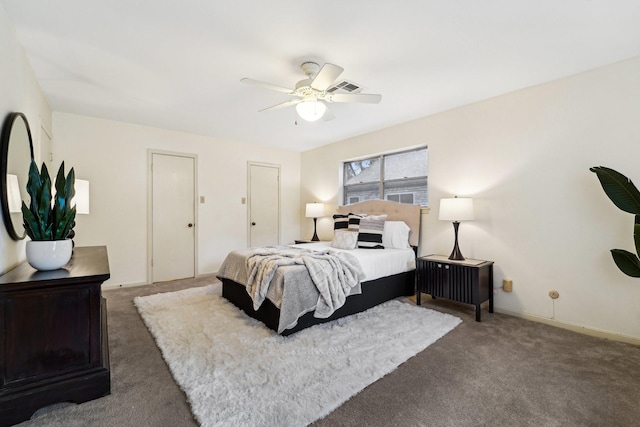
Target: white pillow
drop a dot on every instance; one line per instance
(396, 235)
(344, 239)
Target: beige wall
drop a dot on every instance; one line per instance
(20, 93)
(112, 156)
(541, 215)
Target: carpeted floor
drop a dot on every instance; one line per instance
(504, 371)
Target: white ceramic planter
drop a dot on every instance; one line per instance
(49, 255)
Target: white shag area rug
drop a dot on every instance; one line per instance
(237, 372)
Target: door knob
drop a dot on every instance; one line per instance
(190, 225)
(253, 223)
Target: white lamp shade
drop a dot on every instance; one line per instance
(13, 194)
(311, 110)
(81, 198)
(456, 209)
(315, 210)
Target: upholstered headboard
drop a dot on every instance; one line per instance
(410, 214)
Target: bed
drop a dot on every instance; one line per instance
(377, 287)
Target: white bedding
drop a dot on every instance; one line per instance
(376, 263)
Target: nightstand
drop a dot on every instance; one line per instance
(298, 241)
(469, 281)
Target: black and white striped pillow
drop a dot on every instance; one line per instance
(354, 221)
(371, 230)
(340, 222)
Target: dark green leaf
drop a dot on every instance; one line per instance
(31, 224)
(627, 262)
(70, 189)
(59, 206)
(622, 192)
(64, 193)
(48, 232)
(44, 202)
(60, 180)
(636, 234)
(34, 184)
(65, 225)
(45, 180)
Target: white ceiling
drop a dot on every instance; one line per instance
(178, 64)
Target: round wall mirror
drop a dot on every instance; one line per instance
(16, 156)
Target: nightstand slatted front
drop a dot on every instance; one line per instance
(468, 281)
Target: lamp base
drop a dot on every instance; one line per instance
(315, 233)
(456, 255)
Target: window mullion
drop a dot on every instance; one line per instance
(381, 178)
(413, 178)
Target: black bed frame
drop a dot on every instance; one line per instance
(373, 293)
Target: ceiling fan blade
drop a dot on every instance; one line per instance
(283, 105)
(326, 76)
(266, 85)
(362, 98)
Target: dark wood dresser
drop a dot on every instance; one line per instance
(53, 335)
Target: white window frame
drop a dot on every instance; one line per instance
(382, 181)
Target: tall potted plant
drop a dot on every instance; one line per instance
(49, 219)
(624, 194)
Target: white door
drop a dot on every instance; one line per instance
(264, 205)
(173, 217)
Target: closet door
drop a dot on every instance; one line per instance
(173, 217)
(264, 204)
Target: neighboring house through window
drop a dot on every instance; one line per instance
(400, 177)
(401, 198)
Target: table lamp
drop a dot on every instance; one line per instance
(81, 199)
(315, 211)
(456, 209)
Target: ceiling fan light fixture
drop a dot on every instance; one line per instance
(312, 94)
(311, 110)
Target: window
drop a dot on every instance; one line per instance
(399, 177)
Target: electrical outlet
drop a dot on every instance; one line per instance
(554, 294)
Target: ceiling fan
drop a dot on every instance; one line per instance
(316, 90)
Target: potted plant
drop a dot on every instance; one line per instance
(624, 194)
(49, 218)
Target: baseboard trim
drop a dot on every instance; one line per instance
(131, 285)
(571, 327)
(123, 285)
